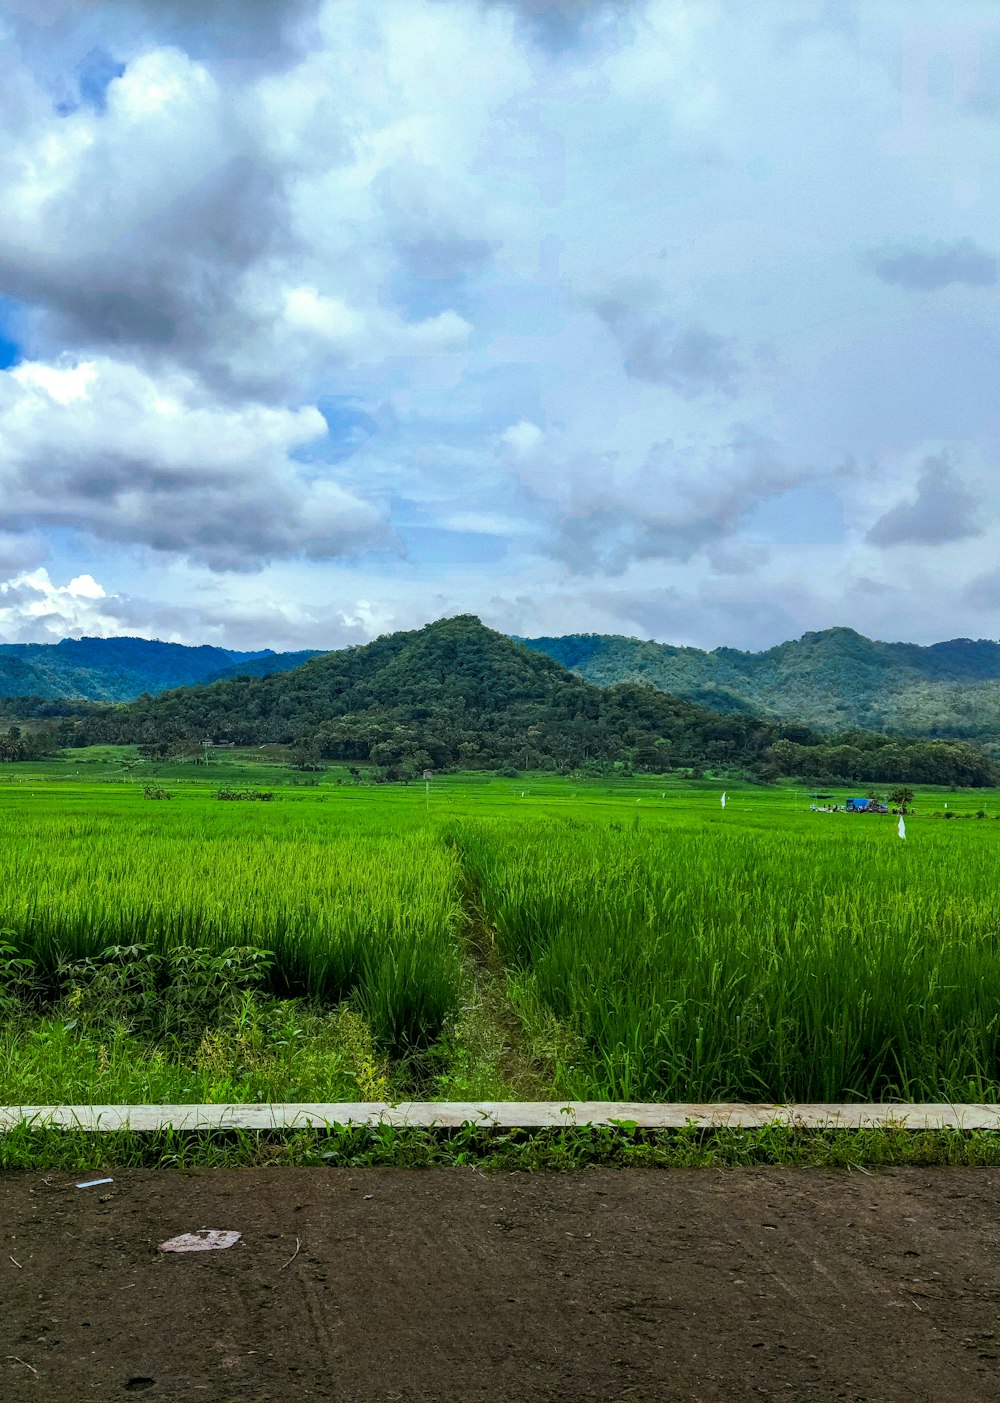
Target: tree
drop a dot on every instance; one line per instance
(154, 750)
(463, 695)
(901, 798)
(306, 756)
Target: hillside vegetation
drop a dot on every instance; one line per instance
(457, 694)
(835, 680)
(119, 669)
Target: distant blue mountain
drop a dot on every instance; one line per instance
(121, 669)
(264, 664)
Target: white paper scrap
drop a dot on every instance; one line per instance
(205, 1240)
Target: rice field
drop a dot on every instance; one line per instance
(645, 944)
(733, 964)
(344, 914)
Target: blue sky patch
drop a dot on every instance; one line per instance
(350, 427)
(94, 75)
(10, 351)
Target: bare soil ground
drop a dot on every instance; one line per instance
(455, 1285)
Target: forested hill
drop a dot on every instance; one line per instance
(119, 669)
(835, 680)
(457, 694)
(261, 665)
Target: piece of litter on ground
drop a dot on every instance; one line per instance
(205, 1240)
(93, 1183)
(14, 1359)
(291, 1259)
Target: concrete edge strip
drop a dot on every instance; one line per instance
(529, 1115)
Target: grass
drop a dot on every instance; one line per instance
(493, 938)
(728, 963)
(371, 916)
(269, 1052)
(73, 1152)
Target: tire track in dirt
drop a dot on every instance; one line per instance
(461, 1287)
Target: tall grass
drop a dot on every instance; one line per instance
(362, 915)
(716, 962)
(768, 954)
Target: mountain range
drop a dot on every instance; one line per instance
(120, 669)
(458, 695)
(835, 680)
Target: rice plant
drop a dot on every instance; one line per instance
(668, 951)
(374, 917)
(733, 963)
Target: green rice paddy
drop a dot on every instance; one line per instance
(488, 937)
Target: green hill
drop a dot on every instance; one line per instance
(834, 680)
(458, 694)
(120, 669)
(264, 664)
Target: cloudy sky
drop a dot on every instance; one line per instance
(676, 318)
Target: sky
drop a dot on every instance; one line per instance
(670, 318)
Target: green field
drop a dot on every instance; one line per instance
(485, 938)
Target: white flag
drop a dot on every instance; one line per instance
(902, 827)
(723, 799)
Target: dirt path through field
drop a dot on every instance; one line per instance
(460, 1287)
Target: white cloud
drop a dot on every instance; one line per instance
(596, 277)
(523, 437)
(347, 333)
(107, 449)
(85, 587)
(63, 384)
(35, 609)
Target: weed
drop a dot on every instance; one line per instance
(28, 1146)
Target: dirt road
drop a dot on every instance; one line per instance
(460, 1287)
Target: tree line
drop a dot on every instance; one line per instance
(458, 695)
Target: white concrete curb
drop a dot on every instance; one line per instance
(502, 1114)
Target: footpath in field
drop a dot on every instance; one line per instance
(460, 1287)
(477, 940)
